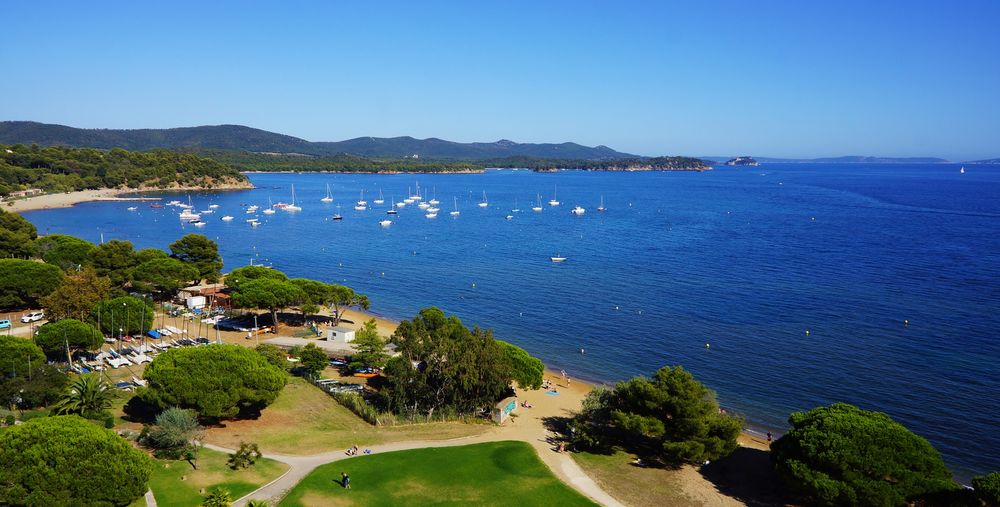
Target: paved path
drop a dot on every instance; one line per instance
(150, 499)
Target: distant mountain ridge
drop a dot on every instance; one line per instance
(850, 159)
(241, 138)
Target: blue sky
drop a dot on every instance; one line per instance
(793, 79)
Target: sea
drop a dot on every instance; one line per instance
(782, 287)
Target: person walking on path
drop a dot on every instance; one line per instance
(345, 480)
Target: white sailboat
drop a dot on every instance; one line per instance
(227, 218)
(962, 170)
(601, 207)
(434, 201)
(292, 206)
(328, 198)
(557, 258)
(408, 200)
(578, 210)
(187, 214)
(213, 206)
(392, 207)
(380, 199)
(515, 209)
(484, 203)
(338, 216)
(385, 223)
(416, 196)
(431, 215)
(456, 212)
(362, 201)
(538, 207)
(553, 201)
(270, 207)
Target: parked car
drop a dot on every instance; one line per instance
(4, 324)
(33, 316)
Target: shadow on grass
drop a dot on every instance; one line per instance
(747, 475)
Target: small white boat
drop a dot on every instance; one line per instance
(538, 207)
(554, 201)
(270, 207)
(962, 170)
(415, 196)
(213, 206)
(601, 207)
(424, 205)
(432, 209)
(380, 199)
(484, 202)
(578, 210)
(269, 211)
(515, 209)
(292, 206)
(401, 204)
(174, 203)
(385, 223)
(251, 211)
(197, 223)
(188, 215)
(557, 258)
(431, 215)
(207, 211)
(509, 217)
(338, 216)
(392, 208)
(227, 218)
(456, 212)
(328, 197)
(132, 208)
(434, 201)
(253, 208)
(362, 201)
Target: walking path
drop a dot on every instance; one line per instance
(528, 427)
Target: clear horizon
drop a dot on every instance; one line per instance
(783, 79)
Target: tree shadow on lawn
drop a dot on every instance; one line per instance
(747, 475)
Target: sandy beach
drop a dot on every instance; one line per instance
(69, 199)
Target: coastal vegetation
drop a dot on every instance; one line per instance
(216, 381)
(17, 236)
(177, 484)
(95, 466)
(607, 164)
(61, 169)
(671, 418)
(341, 163)
(23, 283)
(61, 337)
(842, 455)
(492, 473)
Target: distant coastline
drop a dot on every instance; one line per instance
(70, 199)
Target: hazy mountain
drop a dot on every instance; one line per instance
(987, 161)
(238, 137)
(851, 159)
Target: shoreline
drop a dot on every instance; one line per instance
(70, 199)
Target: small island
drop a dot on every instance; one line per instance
(748, 161)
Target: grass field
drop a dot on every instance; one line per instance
(176, 484)
(632, 485)
(494, 473)
(304, 420)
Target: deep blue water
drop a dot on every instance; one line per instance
(746, 259)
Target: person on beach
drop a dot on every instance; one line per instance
(345, 480)
(769, 437)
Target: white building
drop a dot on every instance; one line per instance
(340, 334)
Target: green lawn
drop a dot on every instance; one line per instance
(175, 483)
(637, 486)
(304, 420)
(495, 473)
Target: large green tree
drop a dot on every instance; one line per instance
(17, 236)
(268, 293)
(163, 277)
(200, 252)
(526, 370)
(18, 354)
(460, 370)
(842, 455)
(67, 460)
(217, 381)
(116, 260)
(77, 296)
(239, 276)
(369, 347)
(342, 297)
(59, 338)
(23, 283)
(313, 360)
(40, 387)
(148, 254)
(670, 416)
(126, 314)
(67, 252)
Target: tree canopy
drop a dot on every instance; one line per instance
(369, 347)
(313, 359)
(239, 276)
(268, 293)
(671, 417)
(17, 236)
(16, 354)
(23, 283)
(61, 169)
(842, 455)
(126, 314)
(67, 252)
(54, 337)
(458, 369)
(342, 297)
(44, 386)
(77, 296)
(95, 466)
(115, 259)
(988, 488)
(163, 277)
(202, 253)
(216, 381)
(527, 370)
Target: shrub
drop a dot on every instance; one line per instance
(988, 488)
(245, 457)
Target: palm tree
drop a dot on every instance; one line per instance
(89, 394)
(217, 497)
(257, 503)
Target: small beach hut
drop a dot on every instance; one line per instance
(503, 409)
(340, 334)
